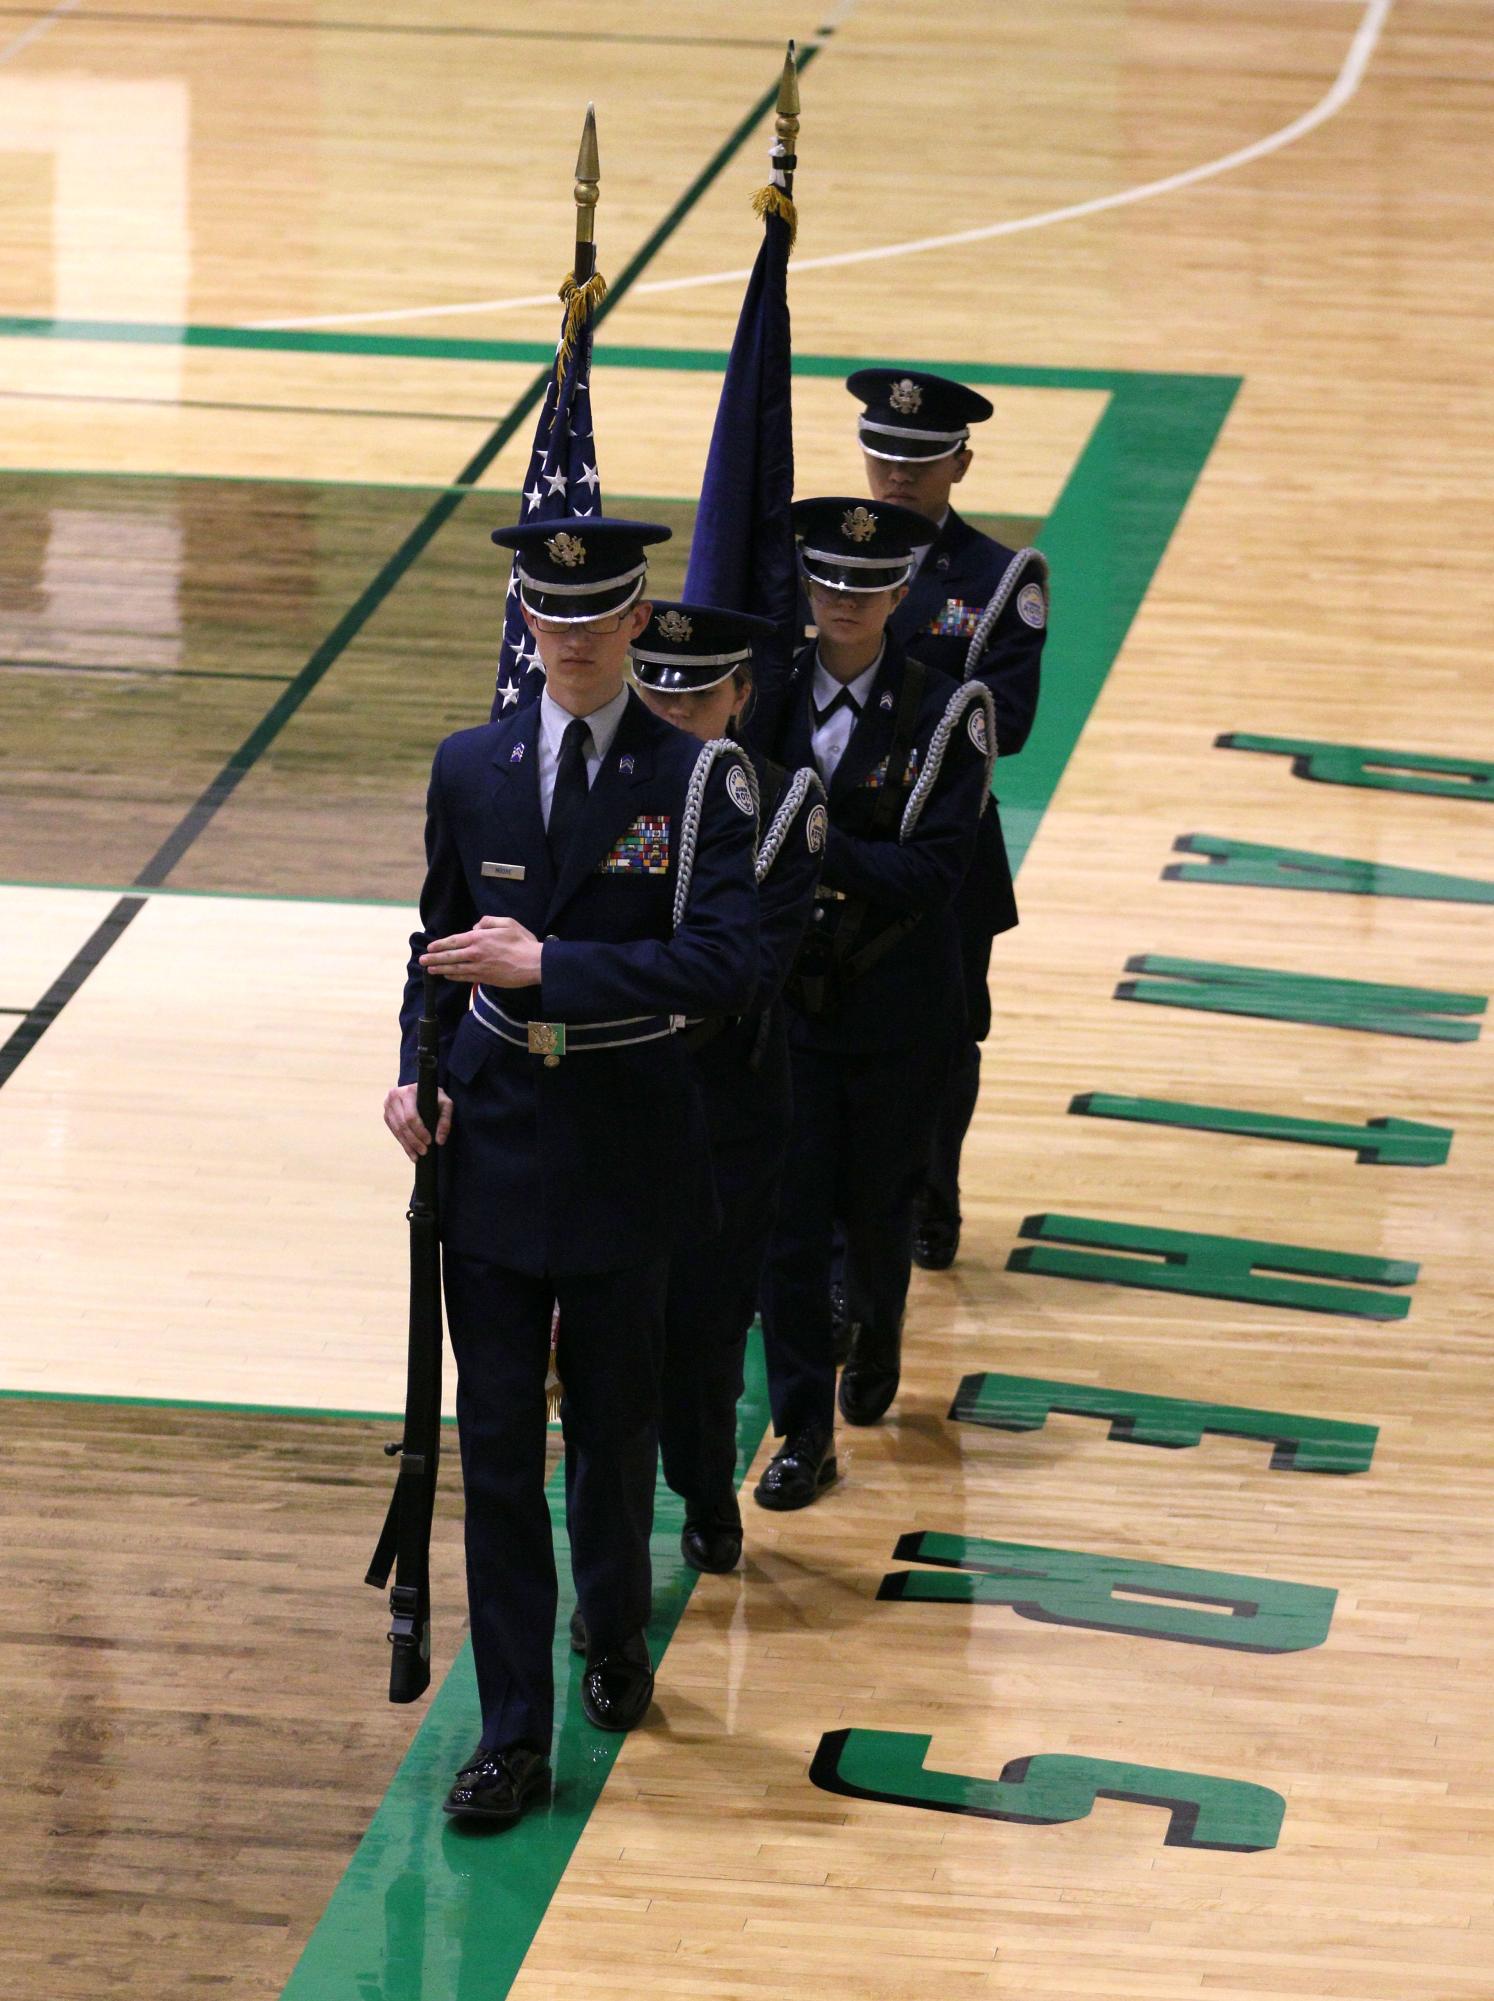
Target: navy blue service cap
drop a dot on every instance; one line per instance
(582, 566)
(914, 415)
(858, 545)
(691, 647)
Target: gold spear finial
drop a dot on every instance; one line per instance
(787, 122)
(588, 179)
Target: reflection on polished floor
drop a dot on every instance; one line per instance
(1083, 1680)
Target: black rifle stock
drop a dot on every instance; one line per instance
(405, 1542)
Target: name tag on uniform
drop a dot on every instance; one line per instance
(504, 871)
(642, 850)
(955, 619)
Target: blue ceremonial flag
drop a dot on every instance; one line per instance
(742, 555)
(562, 480)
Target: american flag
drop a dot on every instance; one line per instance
(562, 480)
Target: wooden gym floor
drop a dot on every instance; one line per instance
(276, 279)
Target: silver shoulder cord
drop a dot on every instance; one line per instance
(1023, 561)
(970, 695)
(805, 781)
(694, 805)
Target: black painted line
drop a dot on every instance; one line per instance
(455, 32)
(37, 1020)
(147, 673)
(200, 815)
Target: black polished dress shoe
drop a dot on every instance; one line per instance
(618, 1685)
(799, 1471)
(499, 1787)
(869, 1380)
(712, 1536)
(936, 1239)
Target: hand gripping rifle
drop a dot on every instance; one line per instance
(405, 1541)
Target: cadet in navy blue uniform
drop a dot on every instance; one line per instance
(589, 892)
(876, 992)
(974, 608)
(693, 667)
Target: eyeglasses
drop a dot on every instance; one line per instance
(586, 628)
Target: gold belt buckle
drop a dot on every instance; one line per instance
(547, 1039)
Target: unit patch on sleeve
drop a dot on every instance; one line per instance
(1032, 606)
(816, 827)
(642, 850)
(739, 791)
(956, 620)
(975, 725)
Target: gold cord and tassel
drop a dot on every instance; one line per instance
(580, 302)
(773, 201)
(554, 1387)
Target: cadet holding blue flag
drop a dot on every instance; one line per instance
(876, 992)
(692, 665)
(589, 894)
(974, 608)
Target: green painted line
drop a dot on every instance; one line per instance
(204, 1404)
(1076, 1587)
(1299, 1444)
(1206, 1266)
(1378, 770)
(673, 360)
(1372, 1007)
(430, 1910)
(1257, 865)
(1381, 1142)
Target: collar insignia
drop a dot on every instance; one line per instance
(886, 701)
(906, 398)
(859, 524)
(516, 755)
(675, 627)
(568, 550)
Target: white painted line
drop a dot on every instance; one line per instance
(1343, 88)
(37, 29)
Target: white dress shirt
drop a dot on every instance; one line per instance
(828, 739)
(602, 723)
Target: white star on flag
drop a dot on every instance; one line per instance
(556, 481)
(588, 477)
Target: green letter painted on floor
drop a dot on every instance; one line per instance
(1252, 865)
(1068, 1587)
(1381, 770)
(1213, 1267)
(1278, 996)
(1302, 1444)
(1043, 1791)
(1382, 1142)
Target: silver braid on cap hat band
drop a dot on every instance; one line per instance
(971, 695)
(694, 806)
(804, 785)
(1023, 561)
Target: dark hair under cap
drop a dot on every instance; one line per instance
(687, 648)
(858, 545)
(581, 566)
(913, 415)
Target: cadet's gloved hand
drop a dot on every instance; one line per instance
(403, 1121)
(497, 952)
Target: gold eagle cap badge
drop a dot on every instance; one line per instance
(675, 627)
(568, 550)
(906, 397)
(860, 524)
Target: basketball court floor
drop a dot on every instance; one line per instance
(1140, 1653)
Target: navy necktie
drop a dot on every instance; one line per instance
(569, 796)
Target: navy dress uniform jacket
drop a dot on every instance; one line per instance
(915, 989)
(956, 581)
(597, 1162)
(745, 1081)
